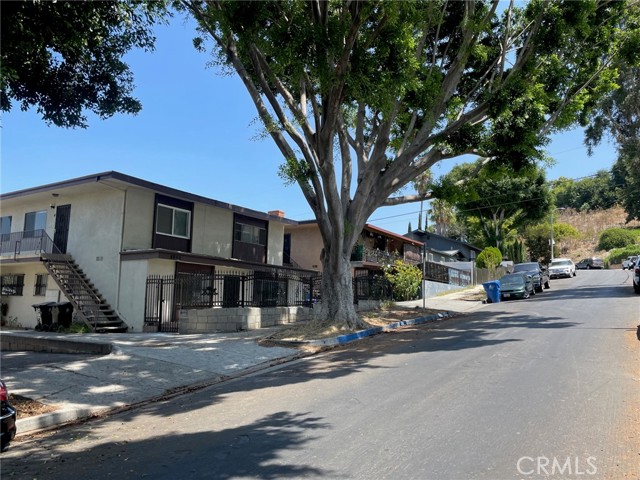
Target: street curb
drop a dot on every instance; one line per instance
(15, 341)
(29, 425)
(351, 337)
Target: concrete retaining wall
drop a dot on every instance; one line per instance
(211, 320)
(9, 342)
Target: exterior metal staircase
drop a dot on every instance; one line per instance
(87, 302)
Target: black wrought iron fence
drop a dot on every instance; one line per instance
(167, 295)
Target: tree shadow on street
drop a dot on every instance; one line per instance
(247, 451)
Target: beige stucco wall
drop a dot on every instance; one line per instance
(21, 312)
(133, 286)
(95, 234)
(212, 232)
(306, 245)
(138, 220)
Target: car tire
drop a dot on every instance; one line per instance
(636, 288)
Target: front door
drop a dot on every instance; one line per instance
(61, 235)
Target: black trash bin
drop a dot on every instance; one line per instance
(45, 314)
(65, 314)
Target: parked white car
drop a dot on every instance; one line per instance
(562, 267)
(629, 262)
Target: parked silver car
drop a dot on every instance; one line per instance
(562, 267)
(629, 262)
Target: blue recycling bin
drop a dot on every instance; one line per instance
(493, 291)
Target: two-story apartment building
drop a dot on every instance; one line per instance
(95, 241)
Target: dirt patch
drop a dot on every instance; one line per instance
(317, 330)
(27, 407)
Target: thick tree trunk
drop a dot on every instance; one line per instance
(337, 291)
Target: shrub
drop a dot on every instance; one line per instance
(405, 280)
(490, 257)
(616, 238)
(617, 255)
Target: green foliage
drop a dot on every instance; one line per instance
(617, 255)
(538, 238)
(616, 238)
(490, 257)
(493, 200)
(592, 193)
(515, 251)
(75, 328)
(405, 280)
(617, 116)
(65, 57)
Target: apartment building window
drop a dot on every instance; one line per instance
(173, 221)
(250, 234)
(34, 221)
(40, 287)
(12, 285)
(5, 227)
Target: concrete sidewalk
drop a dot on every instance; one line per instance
(145, 366)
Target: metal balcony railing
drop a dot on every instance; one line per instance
(18, 243)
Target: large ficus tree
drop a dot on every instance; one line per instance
(361, 97)
(65, 58)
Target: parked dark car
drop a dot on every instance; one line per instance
(8, 416)
(516, 285)
(539, 274)
(589, 263)
(636, 276)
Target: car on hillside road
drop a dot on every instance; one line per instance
(589, 263)
(516, 285)
(539, 274)
(636, 276)
(562, 267)
(629, 262)
(8, 417)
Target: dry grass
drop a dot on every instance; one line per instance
(27, 407)
(590, 225)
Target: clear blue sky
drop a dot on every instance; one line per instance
(197, 132)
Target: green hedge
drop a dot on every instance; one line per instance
(617, 255)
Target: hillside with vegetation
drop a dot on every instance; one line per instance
(590, 225)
